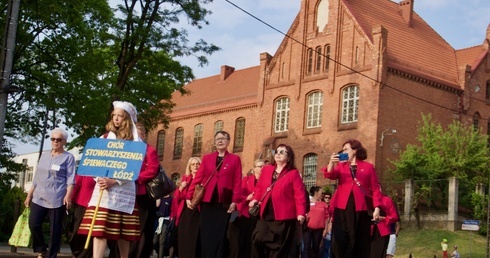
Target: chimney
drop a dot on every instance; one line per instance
(406, 11)
(226, 71)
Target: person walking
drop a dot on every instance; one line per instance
(221, 195)
(281, 194)
(357, 182)
(50, 194)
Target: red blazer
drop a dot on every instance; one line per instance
(288, 194)
(366, 175)
(83, 189)
(228, 179)
(389, 208)
(247, 188)
(179, 198)
(149, 169)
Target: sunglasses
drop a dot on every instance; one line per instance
(326, 197)
(282, 152)
(57, 139)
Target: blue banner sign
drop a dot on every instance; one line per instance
(118, 159)
(471, 222)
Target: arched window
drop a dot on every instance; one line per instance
(322, 15)
(218, 126)
(309, 61)
(310, 169)
(197, 144)
(281, 120)
(160, 144)
(476, 121)
(350, 103)
(318, 63)
(179, 142)
(487, 93)
(327, 57)
(314, 111)
(239, 138)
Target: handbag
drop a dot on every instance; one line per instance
(367, 198)
(160, 186)
(21, 235)
(254, 211)
(198, 194)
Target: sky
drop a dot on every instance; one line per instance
(462, 23)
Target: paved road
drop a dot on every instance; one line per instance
(22, 252)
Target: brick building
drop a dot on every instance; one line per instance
(363, 69)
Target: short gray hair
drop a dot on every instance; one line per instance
(61, 131)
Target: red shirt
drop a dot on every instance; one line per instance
(318, 215)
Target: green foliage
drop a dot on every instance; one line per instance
(457, 151)
(479, 203)
(7, 204)
(73, 58)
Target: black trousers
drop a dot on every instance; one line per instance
(36, 218)
(77, 242)
(350, 232)
(214, 225)
(147, 214)
(188, 232)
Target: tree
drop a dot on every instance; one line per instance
(457, 151)
(73, 58)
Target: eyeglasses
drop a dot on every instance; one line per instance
(281, 152)
(57, 139)
(326, 197)
(221, 139)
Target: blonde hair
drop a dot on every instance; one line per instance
(188, 167)
(125, 131)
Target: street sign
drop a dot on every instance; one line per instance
(472, 225)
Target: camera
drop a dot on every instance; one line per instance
(343, 156)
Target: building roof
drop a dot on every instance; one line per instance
(417, 47)
(213, 94)
(471, 56)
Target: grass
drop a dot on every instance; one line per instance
(426, 243)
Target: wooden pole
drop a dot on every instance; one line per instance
(93, 219)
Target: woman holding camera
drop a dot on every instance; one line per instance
(357, 181)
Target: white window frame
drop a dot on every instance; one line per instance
(281, 120)
(350, 103)
(314, 110)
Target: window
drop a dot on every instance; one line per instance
(350, 103)
(318, 64)
(283, 69)
(160, 144)
(179, 142)
(327, 57)
(197, 145)
(309, 170)
(488, 131)
(487, 93)
(218, 126)
(282, 115)
(322, 15)
(476, 121)
(239, 134)
(314, 112)
(309, 61)
(30, 175)
(356, 57)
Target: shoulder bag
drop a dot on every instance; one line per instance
(254, 211)
(160, 186)
(367, 198)
(198, 194)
